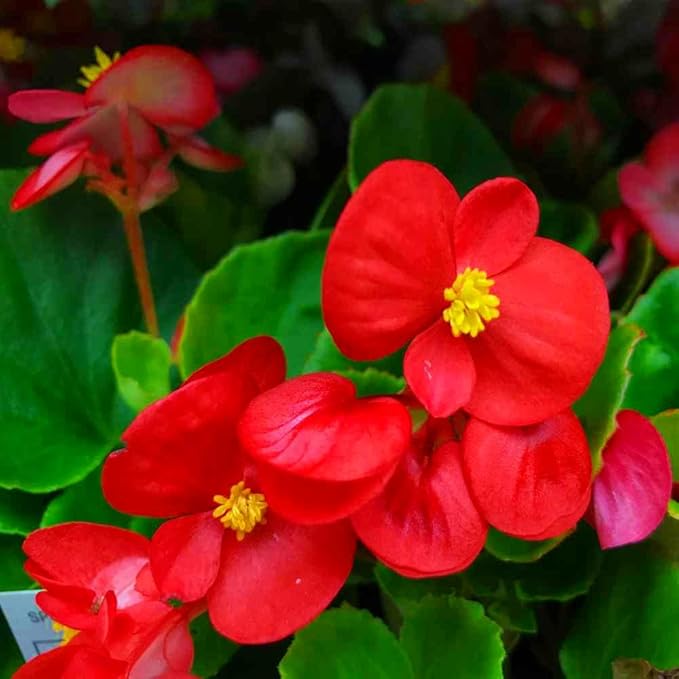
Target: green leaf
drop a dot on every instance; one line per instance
(656, 359)
(328, 213)
(325, 356)
(631, 612)
(564, 573)
(20, 512)
(406, 592)
(67, 291)
(372, 382)
(569, 223)
(597, 408)
(513, 614)
(667, 424)
(83, 501)
(508, 548)
(450, 637)
(12, 575)
(639, 268)
(212, 650)
(270, 287)
(141, 365)
(345, 643)
(500, 98)
(424, 123)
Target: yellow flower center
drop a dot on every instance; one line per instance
(12, 46)
(470, 303)
(241, 511)
(68, 633)
(93, 71)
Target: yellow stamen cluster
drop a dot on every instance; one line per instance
(67, 635)
(470, 303)
(12, 46)
(93, 71)
(241, 511)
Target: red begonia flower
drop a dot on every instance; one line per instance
(532, 482)
(631, 492)
(650, 189)
(125, 100)
(150, 640)
(506, 325)
(98, 589)
(432, 517)
(79, 563)
(264, 576)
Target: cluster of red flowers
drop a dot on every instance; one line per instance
(266, 483)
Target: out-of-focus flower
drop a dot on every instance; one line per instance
(126, 98)
(650, 189)
(506, 325)
(232, 68)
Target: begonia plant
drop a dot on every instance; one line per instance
(415, 417)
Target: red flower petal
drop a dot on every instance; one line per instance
(314, 426)
(72, 662)
(183, 450)
(71, 606)
(101, 130)
(97, 557)
(168, 86)
(425, 522)
(197, 152)
(310, 502)
(539, 356)
(185, 555)
(525, 480)
(389, 259)
(160, 183)
(279, 578)
(440, 370)
(55, 174)
(632, 490)
(46, 106)
(494, 224)
(180, 451)
(259, 359)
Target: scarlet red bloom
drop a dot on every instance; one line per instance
(432, 518)
(506, 325)
(264, 575)
(650, 189)
(99, 590)
(631, 492)
(125, 98)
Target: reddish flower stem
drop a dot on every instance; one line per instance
(135, 243)
(133, 233)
